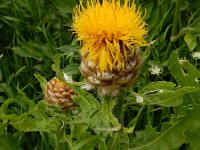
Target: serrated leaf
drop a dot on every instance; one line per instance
(146, 135)
(184, 72)
(191, 41)
(27, 124)
(89, 107)
(172, 136)
(165, 93)
(154, 87)
(100, 119)
(35, 119)
(83, 98)
(84, 140)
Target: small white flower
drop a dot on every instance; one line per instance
(196, 55)
(139, 99)
(87, 87)
(155, 70)
(67, 78)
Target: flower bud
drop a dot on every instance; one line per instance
(59, 93)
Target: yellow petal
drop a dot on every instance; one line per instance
(102, 61)
(108, 29)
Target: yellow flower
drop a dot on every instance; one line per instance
(108, 32)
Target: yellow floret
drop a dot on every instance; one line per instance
(108, 31)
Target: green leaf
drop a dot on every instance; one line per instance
(28, 124)
(155, 21)
(165, 93)
(146, 54)
(36, 119)
(92, 140)
(22, 100)
(172, 136)
(20, 70)
(72, 69)
(42, 80)
(100, 119)
(69, 49)
(146, 135)
(34, 50)
(191, 41)
(4, 106)
(154, 87)
(64, 6)
(107, 111)
(1, 75)
(118, 141)
(84, 99)
(184, 72)
(81, 138)
(89, 106)
(6, 89)
(9, 141)
(56, 65)
(193, 139)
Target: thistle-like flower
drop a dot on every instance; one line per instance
(110, 33)
(59, 93)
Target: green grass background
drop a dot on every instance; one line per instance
(36, 44)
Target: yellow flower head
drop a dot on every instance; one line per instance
(108, 31)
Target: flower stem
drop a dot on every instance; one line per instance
(118, 110)
(174, 27)
(108, 105)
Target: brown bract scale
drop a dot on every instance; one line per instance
(109, 81)
(59, 93)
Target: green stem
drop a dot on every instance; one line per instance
(59, 134)
(113, 107)
(134, 121)
(118, 110)
(174, 27)
(43, 139)
(109, 112)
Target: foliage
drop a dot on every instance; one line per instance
(37, 44)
